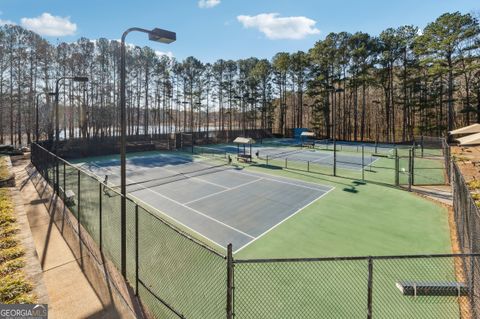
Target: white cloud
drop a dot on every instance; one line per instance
(49, 25)
(208, 3)
(4, 22)
(275, 27)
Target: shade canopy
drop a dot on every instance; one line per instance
(473, 139)
(471, 129)
(307, 134)
(244, 140)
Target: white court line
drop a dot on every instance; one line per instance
(255, 174)
(225, 190)
(321, 159)
(193, 210)
(284, 220)
(199, 213)
(279, 181)
(159, 212)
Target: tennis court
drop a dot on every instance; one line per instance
(344, 160)
(223, 203)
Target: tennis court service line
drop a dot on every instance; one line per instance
(284, 220)
(192, 209)
(279, 181)
(225, 190)
(321, 158)
(199, 212)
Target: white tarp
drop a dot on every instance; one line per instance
(473, 139)
(244, 140)
(471, 129)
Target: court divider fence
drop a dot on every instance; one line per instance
(178, 276)
(425, 162)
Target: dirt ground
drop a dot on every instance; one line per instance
(468, 160)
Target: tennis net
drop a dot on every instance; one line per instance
(169, 175)
(273, 155)
(210, 151)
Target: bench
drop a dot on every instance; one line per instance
(69, 198)
(244, 158)
(432, 288)
(308, 144)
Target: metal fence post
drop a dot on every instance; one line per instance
(286, 162)
(308, 166)
(421, 143)
(100, 214)
(370, 288)
(78, 199)
(397, 167)
(229, 282)
(57, 176)
(410, 170)
(363, 162)
(64, 180)
(413, 167)
(136, 250)
(334, 158)
(471, 284)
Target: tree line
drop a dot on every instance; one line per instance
(391, 87)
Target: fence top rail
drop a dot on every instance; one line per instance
(140, 204)
(347, 258)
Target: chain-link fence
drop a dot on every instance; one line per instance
(440, 286)
(396, 165)
(177, 276)
(174, 274)
(96, 146)
(467, 220)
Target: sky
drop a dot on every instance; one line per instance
(227, 29)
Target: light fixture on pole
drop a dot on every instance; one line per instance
(157, 35)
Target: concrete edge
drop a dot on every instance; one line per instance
(33, 270)
(109, 285)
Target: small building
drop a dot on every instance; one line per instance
(243, 155)
(468, 135)
(307, 139)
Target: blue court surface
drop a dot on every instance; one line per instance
(223, 203)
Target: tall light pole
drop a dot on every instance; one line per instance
(157, 35)
(339, 90)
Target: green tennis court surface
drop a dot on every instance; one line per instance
(352, 217)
